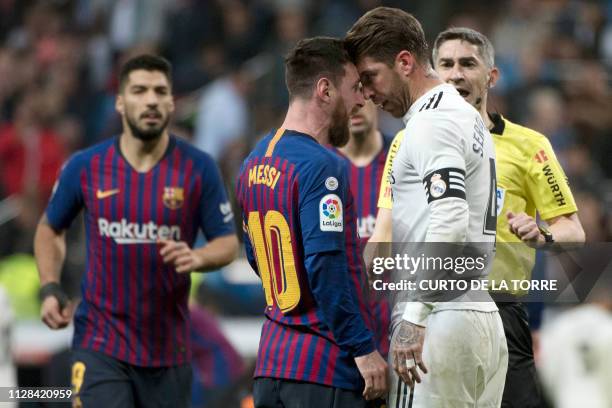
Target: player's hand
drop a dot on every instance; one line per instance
(373, 369)
(53, 316)
(407, 352)
(179, 254)
(524, 227)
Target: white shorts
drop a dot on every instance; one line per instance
(466, 356)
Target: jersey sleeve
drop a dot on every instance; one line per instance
(323, 194)
(385, 194)
(547, 184)
(67, 197)
(437, 155)
(215, 210)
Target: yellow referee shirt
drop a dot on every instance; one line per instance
(529, 179)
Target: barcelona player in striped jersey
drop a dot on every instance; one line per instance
(145, 196)
(365, 155)
(299, 222)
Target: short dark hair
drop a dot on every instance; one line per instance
(485, 48)
(383, 32)
(147, 62)
(312, 59)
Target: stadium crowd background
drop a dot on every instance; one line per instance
(58, 78)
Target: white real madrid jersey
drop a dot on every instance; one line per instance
(443, 177)
(446, 160)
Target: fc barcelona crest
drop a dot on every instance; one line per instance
(173, 197)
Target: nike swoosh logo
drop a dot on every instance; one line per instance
(103, 194)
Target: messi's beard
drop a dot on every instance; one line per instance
(148, 134)
(339, 130)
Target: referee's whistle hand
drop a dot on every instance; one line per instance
(54, 317)
(180, 255)
(524, 227)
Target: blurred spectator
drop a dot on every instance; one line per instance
(547, 116)
(223, 115)
(30, 151)
(136, 21)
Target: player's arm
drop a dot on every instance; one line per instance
(437, 156)
(50, 253)
(216, 221)
(548, 188)
(328, 275)
(50, 244)
(215, 254)
(382, 228)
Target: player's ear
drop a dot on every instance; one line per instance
(324, 89)
(493, 77)
(119, 104)
(404, 62)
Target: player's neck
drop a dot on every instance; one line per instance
(143, 155)
(425, 80)
(362, 149)
(305, 117)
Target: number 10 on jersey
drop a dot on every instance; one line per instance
(275, 259)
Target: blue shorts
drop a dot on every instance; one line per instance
(99, 380)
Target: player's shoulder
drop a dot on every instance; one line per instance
(82, 157)
(442, 106)
(304, 151)
(522, 136)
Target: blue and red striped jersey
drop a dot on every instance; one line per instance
(364, 182)
(300, 237)
(134, 307)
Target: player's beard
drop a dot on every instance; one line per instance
(399, 101)
(149, 133)
(339, 130)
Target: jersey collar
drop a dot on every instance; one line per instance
(499, 125)
(419, 102)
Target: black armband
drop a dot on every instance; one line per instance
(54, 289)
(443, 183)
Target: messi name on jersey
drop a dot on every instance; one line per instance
(264, 174)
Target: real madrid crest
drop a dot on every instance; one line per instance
(173, 197)
(437, 187)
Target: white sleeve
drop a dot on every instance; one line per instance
(438, 157)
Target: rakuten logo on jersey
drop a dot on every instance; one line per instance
(125, 232)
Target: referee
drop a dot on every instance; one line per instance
(530, 180)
